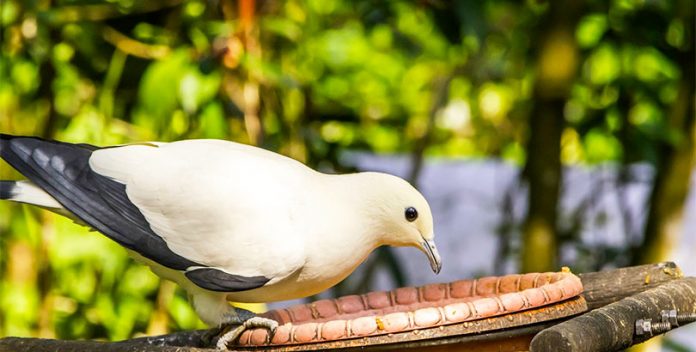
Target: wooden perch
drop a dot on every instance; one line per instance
(18, 344)
(609, 289)
(605, 287)
(612, 328)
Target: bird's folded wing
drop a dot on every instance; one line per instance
(221, 204)
(63, 171)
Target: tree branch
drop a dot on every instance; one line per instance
(612, 328)
(133, 47)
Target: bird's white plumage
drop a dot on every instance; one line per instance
(265, 214)
(234, 197)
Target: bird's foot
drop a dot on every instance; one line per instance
(243, 320)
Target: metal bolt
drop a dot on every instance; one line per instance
(669, 319)
(669, 316)
(648, 327)
(660, 328)
(643, 327)
(676, 319)
(685, 318)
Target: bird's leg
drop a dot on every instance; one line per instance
(214, 310)
(237, 320)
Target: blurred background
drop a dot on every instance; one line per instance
(544, 133)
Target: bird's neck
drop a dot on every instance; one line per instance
(346, 232)
(361, 204)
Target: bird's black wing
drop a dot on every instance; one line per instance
(63, 171)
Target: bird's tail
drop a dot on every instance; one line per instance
(7, 189)
(22, 191)
(29, 193)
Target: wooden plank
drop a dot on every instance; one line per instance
(18, 344)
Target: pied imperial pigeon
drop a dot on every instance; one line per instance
(226, 221)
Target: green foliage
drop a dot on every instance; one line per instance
(328, 76)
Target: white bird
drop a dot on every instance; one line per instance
(226, 221)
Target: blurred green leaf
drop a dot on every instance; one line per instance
(591, 29)
(160, 89)
(25, 76)
(603, 66)
(650, 65)
(184, 317)
(212, 122)
(601, 146)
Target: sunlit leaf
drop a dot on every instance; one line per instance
(194, 8)
(515, 153)
(572, 151)
(601, 146)
(212, 122)
(25, 76)
(382, 139)
(591, 29)
(182, 313)
(650, 65)
(196, 88)
(159, 87)
(8, 12)
(675, 33)
(603, 65)
(495, 102)
(63, 52)
(138, 280)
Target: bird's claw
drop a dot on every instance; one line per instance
(251, 323)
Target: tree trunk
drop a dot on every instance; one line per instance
(673, 176)
(557, 60)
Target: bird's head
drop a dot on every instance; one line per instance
(402, 216)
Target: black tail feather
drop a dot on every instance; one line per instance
(7, 189)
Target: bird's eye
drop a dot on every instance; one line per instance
(411, 214)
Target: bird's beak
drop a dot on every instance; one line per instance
(428, 247)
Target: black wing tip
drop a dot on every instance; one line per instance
(217, 280)
(7, 189)
(7, 140)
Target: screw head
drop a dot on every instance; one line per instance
(643, 327)
(669, 316)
